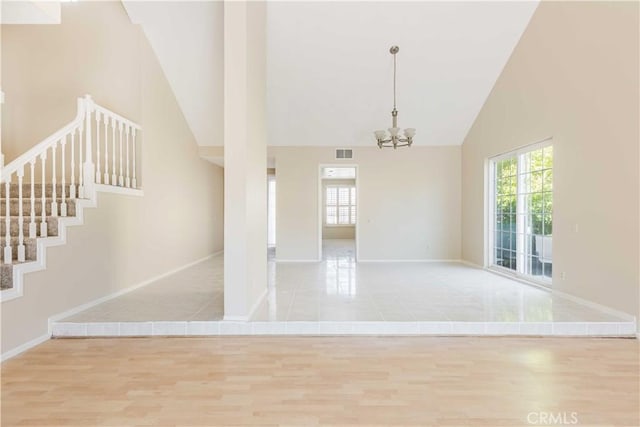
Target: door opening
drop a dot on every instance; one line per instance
(338, 213)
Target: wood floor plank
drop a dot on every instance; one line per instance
(425, 381)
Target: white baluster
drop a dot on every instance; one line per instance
(54, 181)
(98, 174)
(114, 180)
(43, 211)
(72, 186)
(81, 168)
(32, 223)
(21, 248)
(120, 177)
(106, 148)
(63, 205)
(8, 254)
(128, 180)
(134, 182)
(89, 166)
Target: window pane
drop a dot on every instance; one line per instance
(331, 215)
(547, 180)
(343, 215)
(332, 196)
(536, 160)
(343, 196)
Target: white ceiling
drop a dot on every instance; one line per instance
(187, 38)
(330, 70)
(30, 12)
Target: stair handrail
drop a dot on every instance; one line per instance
(31, 154)
(86, 170)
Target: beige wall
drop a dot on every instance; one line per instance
(126, 240)
(409, 202)
(95, 51)
(573, 77)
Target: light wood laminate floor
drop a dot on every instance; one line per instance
(426, 381)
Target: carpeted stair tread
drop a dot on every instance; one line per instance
(52, 225)
(26, 190)
(14, 206)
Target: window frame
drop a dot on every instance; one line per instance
(490, 201)
(353, 205)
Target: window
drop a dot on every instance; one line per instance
(340, 206)
(521, 217)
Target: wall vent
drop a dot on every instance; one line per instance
(344, 153)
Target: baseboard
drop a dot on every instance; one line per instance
(259, 301)
(103, 188)
(296, 260)
(24, 347)
(471, 264)
(121, 292)
(42, 243)
(571, 297)
(596, 306)
(252, 311)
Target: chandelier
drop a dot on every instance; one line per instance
(393, 139)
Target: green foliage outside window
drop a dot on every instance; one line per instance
(537, 177)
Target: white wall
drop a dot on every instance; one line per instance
(409, 202)
(573, 77)
(126, 240)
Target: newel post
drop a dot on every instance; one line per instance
(89, 168)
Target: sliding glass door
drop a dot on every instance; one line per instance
(521, 212)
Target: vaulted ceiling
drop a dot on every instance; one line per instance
(329, 68)
(330, 73)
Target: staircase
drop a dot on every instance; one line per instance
(30, 243)
(45, 190)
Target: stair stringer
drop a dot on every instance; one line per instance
(42, 243)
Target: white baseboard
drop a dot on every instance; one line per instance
(103, 188)
(24, 347)
(259, 301)
(254, 307)
(571, 297)
(470, 264)
(42, 243)
(132, 288)
(596, 306)
(296, 260)
(13, 352)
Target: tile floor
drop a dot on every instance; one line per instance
(428, 297)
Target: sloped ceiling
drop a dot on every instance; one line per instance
(187, 38)
(329, 68)
(30, 12)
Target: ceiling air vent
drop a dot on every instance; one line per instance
(344, 153)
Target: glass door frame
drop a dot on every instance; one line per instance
(521, 215)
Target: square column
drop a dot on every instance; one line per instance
(245, 158)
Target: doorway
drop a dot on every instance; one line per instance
(271, 214)
(338, 212)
